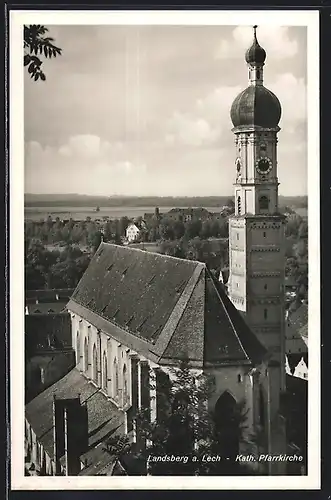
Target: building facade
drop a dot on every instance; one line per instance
(256, 231)
(134, 315)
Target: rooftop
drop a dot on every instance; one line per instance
(164, 308)
(104, 419)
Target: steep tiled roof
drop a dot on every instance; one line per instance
(163, 307)
(103, 417)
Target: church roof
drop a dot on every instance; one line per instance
(164, 308)
(104, 419)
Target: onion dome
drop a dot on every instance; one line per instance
(255, 55)
(256, 105)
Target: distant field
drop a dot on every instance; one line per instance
(80, 213)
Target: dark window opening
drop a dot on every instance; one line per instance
(258, 74)
(265, 313)
(265, 286)
(227, 424)
(264, 234)
(239, 378)
(264, 203)
(239, 205)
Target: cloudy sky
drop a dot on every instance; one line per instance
(144, 110)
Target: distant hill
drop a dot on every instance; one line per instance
(79, 200)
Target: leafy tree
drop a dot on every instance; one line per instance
(37, 44)
(122, 226)
(178, 229)
(185, 427)
(173, 248)
(303, 230)
(166, 229)
(193, 229)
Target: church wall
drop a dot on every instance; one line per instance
(114, 376)
(233, 379)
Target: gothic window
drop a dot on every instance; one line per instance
(95, 364)
(115, 375)
(125, 385)
(85, 355)
(264, 203)
(239, 205)
(104, 371)
(77, 348)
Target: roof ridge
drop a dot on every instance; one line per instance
(162, 255)
(228, 316)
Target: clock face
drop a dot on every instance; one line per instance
(263, 165)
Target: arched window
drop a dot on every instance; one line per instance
(77, 348)
(125, 385)
(105, 372)
(94, 364)
(115, 386)
(85, 355)
(227, 424)
(263, 203)
(239, 205)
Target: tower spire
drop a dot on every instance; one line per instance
(255, 58)
(255, 28)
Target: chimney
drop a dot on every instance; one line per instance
(70, 433)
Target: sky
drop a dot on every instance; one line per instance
(144, 110)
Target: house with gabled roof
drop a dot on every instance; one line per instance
(134, 315)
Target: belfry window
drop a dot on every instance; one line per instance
(239, 205)
(263, 203)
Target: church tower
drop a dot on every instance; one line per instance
(256, 231)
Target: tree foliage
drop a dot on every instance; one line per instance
(185, 428)
(37, 45)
